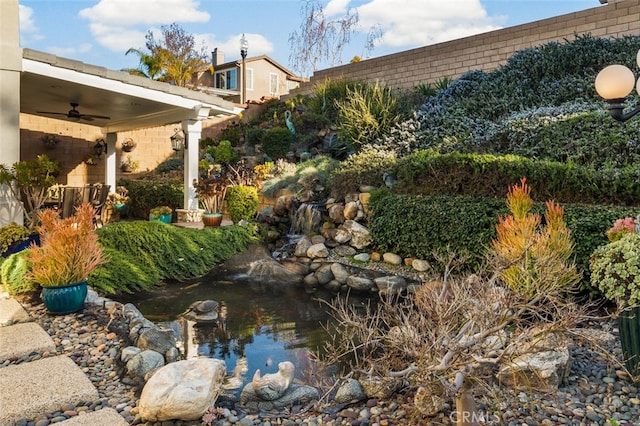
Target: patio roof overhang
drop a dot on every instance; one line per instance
(49, 83)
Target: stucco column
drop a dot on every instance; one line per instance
(110, 165)
(193, 131)
(10, 69)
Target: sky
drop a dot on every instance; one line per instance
(99, 32)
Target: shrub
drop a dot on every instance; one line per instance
(364, 168)
(309, 175)
(326, 95)
(242, 202)
(615, 270)
(13, 271)
(146, 194)
(533, 258)
(276, 142)
(366, 113)
(170, 165)
(11, 234)
(223, 152)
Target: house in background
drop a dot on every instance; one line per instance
(265, 77)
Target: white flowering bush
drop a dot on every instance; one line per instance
(615, 270)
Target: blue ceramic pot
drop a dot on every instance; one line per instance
(64, 299)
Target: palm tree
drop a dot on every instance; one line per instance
(150, 66)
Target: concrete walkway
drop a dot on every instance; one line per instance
(44, 385)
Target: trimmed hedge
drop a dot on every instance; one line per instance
(418, 226)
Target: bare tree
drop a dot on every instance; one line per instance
(320, 39)
(173, 58)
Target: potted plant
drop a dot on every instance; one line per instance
(69, 251)
(161, 214)
(211, 192)
(129, 165)
(128, 145)
(119, 199)
(29, 182)
(615, 271)
(14, 238)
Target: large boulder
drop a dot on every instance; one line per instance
(144, 362)
(360, 235)
(182, 390)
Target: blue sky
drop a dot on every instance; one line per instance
(99, 32)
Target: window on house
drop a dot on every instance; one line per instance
(273, 84)
(227, 79)
(249, 78)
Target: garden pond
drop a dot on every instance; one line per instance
(262, 324)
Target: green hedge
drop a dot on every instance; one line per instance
(143, 254)
(147, 194)
(242, 202)
(418, 226)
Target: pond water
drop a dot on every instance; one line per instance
(263, 324)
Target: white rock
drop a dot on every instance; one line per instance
(360, 235)
(182, 390)
(420, 265)
(392, 258)
(317, 250)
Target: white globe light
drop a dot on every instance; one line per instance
(615, 82)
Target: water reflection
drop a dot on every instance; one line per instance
(266, 324)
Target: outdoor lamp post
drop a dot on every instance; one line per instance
(177, 140)
(614, 83)
(244, 48)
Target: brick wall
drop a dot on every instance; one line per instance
(408, 69)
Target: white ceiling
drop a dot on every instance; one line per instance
(50, 83)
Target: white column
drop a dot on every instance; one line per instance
(110, 165)
(10, 69)
(193, 131)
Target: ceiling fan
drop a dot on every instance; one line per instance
(74, 114)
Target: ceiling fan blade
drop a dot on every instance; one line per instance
(85, 117)
(52, 113)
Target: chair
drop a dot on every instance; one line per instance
(98, 199)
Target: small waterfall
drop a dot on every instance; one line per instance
(306, 220)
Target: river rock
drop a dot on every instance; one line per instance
(420, 265)
(324, 273)
(349, 391)
(360, 283)
(340, 272)
(342, 236)
(360, 235)
(362, 257)
(144, 362)
(350, 210)
(310, 281)
(318, 251)
(344, 250)
(157, 339)
(182, 390)
(539, 370)
(302, 246)
(392, 258)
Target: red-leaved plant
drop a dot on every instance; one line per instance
(69, 250)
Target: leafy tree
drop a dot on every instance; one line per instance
(172, 58)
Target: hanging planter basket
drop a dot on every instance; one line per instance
(128, 145)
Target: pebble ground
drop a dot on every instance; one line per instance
(597, 392)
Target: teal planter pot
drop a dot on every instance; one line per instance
(166, 218)
(64, 299)
(629, 326)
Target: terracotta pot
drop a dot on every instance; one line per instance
(212, 219)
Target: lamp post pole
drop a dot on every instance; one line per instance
(244, 47)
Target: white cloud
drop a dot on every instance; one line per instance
(143, 12)
(121, 24)
(412, 23)
(258, 45)
(336, 7)
(26, 20)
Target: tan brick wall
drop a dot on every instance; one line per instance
(408, 69)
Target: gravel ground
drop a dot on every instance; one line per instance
(597, 391)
